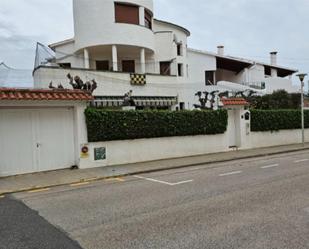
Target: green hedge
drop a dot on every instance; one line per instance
(105, 125)
(275, 120)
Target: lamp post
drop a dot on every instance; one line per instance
(301, 78)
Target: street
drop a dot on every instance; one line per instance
(244, 204)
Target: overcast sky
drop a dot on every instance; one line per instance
(247, 28)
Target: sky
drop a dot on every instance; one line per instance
(247, 28)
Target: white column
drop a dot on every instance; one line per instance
(274, 72)
(143, 61)
(80, 131)
(115, 58)
(86, 59)
(247, 75)
(142, 16)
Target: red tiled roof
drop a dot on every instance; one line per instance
(234, 101)
(44, 94)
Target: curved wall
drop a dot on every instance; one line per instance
(94, 24)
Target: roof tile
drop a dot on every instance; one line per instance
(44, 94)
(234, 101)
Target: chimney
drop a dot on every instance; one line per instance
(220, 50)
(273, 58)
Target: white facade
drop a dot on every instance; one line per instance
(108, 50)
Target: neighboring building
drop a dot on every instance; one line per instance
(121, 46)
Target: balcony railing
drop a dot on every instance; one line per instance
(259, 85)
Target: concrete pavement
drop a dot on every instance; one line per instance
(255, 203)
(64, 177)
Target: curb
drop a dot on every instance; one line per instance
(96, 179)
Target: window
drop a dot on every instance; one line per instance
(209, 78)
(128, 66)
(148, 19)
(102, 65)
(165, 68)
(125, 13)
(179, 49)
(180, 70)
(65, 65)
(182, 106)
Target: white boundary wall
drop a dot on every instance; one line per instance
(275, 138)
(142, 150)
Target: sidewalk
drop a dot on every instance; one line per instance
(63, 177)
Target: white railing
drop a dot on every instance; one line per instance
(259, 85)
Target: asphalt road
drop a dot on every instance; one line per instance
(248, 204)
(23, 228)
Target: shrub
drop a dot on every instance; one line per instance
(277, 100)
(275, 120)
(105, 125)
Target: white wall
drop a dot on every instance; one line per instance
(268, 139)
(142, 150)
(94, 24)
(109, 83)
(273, 84)
(226, 75)
(198, 64)
(256, 73)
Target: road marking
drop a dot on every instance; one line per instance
(91, 179)
(38, 190)
(270, 166)
(301, 161)
(179, 183)
(231, 173)
(162, 182)
(2, 196)
(79, 184)
(119, 179)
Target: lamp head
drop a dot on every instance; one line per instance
(301, 76)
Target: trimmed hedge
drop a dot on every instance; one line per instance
(275, 120)
(103, 125)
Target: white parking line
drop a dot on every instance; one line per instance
(179, 183)
(162, 182)
(270, 166)
(231, 173)
(301, 161)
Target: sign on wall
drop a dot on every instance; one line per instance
(99, 154)
(138, 79)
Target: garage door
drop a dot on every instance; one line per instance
(36, 140)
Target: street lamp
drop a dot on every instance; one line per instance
(301, 78)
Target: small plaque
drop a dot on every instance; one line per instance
(99, 154)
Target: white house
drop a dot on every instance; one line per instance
(121, 46)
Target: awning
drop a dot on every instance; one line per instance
(142, 101)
